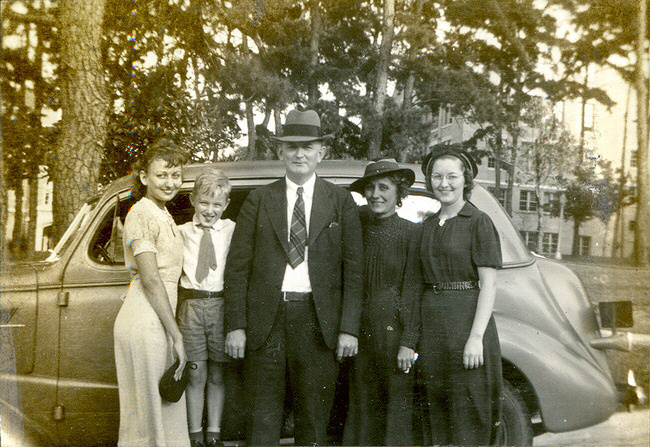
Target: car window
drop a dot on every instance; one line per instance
(80, 219)
(106, 243)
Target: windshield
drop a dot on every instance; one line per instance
(73, 229)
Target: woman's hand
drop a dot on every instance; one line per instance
(473, 352)
(405, 358)
(179, 350)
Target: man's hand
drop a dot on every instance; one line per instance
(236, 343)
(348, 346)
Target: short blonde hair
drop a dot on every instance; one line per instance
(213, 182)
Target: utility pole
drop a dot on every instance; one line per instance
(643, 197)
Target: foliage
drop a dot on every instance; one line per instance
(551, 150)
(591, 194)
(606, 37)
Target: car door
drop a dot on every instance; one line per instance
(95, 282)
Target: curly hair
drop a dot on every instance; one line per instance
(163, 149)
(467, 174)
(400, 182)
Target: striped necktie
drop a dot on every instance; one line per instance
(298, 233)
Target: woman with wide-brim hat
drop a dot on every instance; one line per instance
(460, 357)
(381, 386)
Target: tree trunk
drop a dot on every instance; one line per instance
(539, 220)
(17, 232)
(277, 119)
(33, 215)
(4, 256)
(497, 163)
(643, 187)
(250, 125)
(85, 106)
(581, 158)
(575, 247)
(314, 44)
(381, 80)
(514, 152)
(619, 223)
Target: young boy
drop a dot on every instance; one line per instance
(206, 240)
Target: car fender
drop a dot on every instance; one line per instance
(565, 383)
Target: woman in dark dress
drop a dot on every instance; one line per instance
(460, 358)
(381, 394)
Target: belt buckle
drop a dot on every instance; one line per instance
(284, 297)
(436, 289)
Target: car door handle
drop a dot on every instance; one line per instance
(7, 325)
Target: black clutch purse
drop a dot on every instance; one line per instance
(170, 389)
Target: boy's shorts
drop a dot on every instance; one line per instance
(201, 323)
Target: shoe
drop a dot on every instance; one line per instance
(196, 443)
(214, 443)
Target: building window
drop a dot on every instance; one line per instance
(530, 238)
(634, 159)
(492, 162)
(589, 116)
(527, 201)
(502, 194)
(584, 245)
(448, 116)
(549, 243)
(551, 202)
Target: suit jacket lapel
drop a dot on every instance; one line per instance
(276, 207)
(321, 210)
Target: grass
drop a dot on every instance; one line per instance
(611, 282)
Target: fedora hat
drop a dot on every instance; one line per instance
(381, 168)
(301, 126)
(455, 150)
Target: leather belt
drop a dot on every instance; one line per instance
(453, 285)
(193, 294)
(296, 296)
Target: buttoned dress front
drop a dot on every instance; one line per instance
(464, 404)
(142, 347)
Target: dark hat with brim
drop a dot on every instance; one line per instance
(302, 126)
(382, 168)
(453, 150)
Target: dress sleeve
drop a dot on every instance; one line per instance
(140, 231)
(486, 248)
(412, 289)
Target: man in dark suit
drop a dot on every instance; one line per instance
(293, 286)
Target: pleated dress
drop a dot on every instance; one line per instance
(381, 395)
(464, 404)
(143, 351)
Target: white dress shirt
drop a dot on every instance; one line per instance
(297, 280)
(221, 233)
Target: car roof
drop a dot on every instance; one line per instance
(271, 169)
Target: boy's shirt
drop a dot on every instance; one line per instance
(192, 233)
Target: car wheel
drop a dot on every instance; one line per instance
(517, 428)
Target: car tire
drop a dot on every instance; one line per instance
(517, 428)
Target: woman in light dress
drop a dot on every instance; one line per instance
(147, 338)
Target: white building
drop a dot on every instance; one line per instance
(43, 240)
